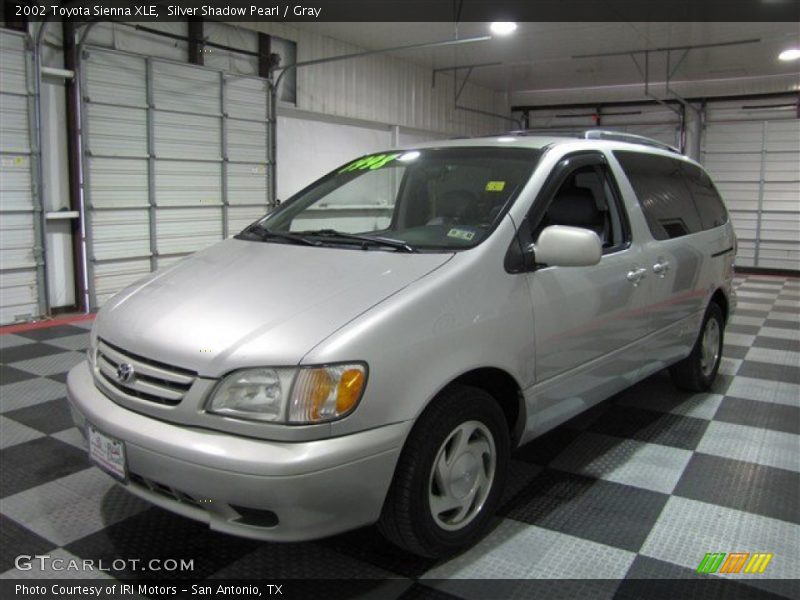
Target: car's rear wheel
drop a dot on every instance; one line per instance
(450, 475)
(697, 371)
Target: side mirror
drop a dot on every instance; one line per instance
(563, 246)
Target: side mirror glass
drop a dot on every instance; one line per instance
(564, 246)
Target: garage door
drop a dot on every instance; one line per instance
(752, 149)
(653, 121)
(176, 159)
(21, 266)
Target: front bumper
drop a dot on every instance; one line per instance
(313, 489)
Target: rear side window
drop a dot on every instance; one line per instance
(706, 197)
(661, 187)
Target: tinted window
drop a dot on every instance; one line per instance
(706, 198)
(660, 186)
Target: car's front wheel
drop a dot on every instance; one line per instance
(450, 475)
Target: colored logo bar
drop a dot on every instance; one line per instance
(734, 562)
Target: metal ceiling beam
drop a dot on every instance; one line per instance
(669, 48)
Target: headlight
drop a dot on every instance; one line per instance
(318, 394)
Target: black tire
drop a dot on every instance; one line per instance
(692, 373)
(407, 519)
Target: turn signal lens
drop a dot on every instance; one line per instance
(326, 393)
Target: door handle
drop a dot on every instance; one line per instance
(661, 268)
(636, 276)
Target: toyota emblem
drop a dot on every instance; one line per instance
(124, 372)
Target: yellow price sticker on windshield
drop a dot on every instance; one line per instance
(495, 186)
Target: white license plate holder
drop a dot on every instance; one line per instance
(108, 453)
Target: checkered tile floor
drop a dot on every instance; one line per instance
(642, 486)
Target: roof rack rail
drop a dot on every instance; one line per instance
(595, 134)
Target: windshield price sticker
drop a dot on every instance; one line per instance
(376, 161)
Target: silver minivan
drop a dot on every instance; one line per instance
(374, 348)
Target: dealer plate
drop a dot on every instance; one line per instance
(107, 453)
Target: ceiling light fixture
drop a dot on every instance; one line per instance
(789, 54)
(503, 27)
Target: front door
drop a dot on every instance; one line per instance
(587, 320)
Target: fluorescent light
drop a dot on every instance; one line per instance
(409, 156)
(503, 27)
(506, 138)
(790, 54)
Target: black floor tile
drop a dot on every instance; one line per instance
(652, 579)
(764, 415)
(39, 461)
(731, 351)
(16, 540)
(544, 449)
(59, 377)
(781, 324)
(593, 509)
(762, 370)
(745, 329)
(749, 312)
(48, 333)
(12, 375)
(741, 485)
(159, 534)
(47, 417)
(369, 546)
(28, 351)
(650, 426)
(777, 343)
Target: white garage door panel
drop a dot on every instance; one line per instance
(724, 137)
(116, 183)
(185, 183)
(18, 295)
(17, 241)
(247, 141)
(246, 98)
(111, 277)
(15, 183)
(187, 136)
(734, 167)
(181, 231)
(186, 88)
(247, 184)
(14, 123)
(782, 196)
(784, 136)
(754, 155)
(115, 78)
(21, 270)
(117, 131)
(181, 187)
(241, 216)
(120, 234)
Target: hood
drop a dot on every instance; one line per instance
(242, 303)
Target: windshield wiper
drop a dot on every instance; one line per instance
(364, 239)
(264, 234)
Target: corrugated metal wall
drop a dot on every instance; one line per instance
(754, 156)
(176, 159)
(21, 264)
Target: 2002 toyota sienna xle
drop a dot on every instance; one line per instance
(373, 349)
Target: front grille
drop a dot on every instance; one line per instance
(152, 380)
(164, 490)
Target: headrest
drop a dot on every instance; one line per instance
(576, 207)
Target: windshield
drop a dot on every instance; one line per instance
(438, 199)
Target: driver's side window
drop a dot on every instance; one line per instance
(588, 198)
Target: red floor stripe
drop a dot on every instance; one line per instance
(43, 324)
